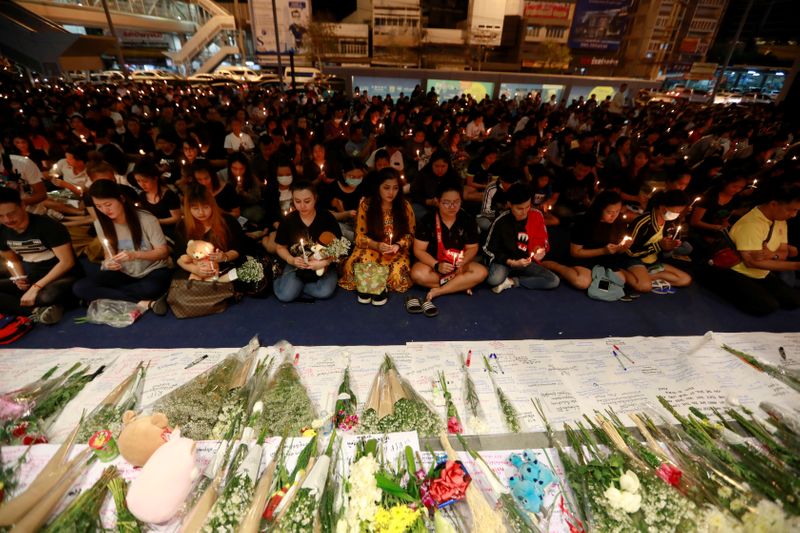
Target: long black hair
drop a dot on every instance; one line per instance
(401, 226)
(110, 190)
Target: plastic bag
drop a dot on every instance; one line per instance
(114, 313)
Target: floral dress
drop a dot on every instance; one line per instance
(399, 264)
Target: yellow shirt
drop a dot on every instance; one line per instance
(749, 234)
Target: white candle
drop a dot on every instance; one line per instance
(302, 248)
(54, 170)
(322, 168)
(677, 232)
(625, 239)
(12, 268)
(695, 201)
(390, 238)
(107, 248)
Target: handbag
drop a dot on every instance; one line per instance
(371, 278)
(192, 298)
(726, 254)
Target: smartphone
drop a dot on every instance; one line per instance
(603, 285)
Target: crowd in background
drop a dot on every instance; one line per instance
(616, 197)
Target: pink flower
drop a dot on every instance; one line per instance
(669, 473)
(454, 425)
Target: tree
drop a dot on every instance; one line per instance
(320, 41)
(555, 55)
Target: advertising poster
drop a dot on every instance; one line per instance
(518, 91)
(294, 17)
(447, 89)
(547, 10)
(376, 86)
(599, 24)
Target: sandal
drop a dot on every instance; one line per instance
(413, 305)
(662, 287)
(430, 309)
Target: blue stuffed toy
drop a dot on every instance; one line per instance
(532, 478)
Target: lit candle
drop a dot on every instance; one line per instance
(54, 170)
(677, 232)
(107, 248)
(417, 154)
(12, 268)
(755, 182)
(390, 238)
(697, 199)
(322, 168)
(625, 239)
(302, 248)
(183, 161)
(141, 152)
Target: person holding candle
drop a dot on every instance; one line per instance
(645, 272)
(278, 200)
(303, 230)
(516, 244)
(384, 235)
(445, 246)
(237, 140)
(22, 174)
(135, 267)
(38, 254)
(597, 238)
(248, 187)
(203, 220)
(713, 211)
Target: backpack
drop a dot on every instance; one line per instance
(606, 285)
(13, 328)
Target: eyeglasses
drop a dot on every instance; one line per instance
(449, 204)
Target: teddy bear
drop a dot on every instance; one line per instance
(161, 488)
(529, 484)
(198, 251)
(141, 436)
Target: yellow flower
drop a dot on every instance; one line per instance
(309, 433)
(398, 519)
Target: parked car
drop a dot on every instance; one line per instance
(698, 96)
(150, 77)
(756, 98)
(727, 98)
(239, 74)
(107, 77)
(201, 78)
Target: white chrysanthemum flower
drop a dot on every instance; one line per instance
(629, 482)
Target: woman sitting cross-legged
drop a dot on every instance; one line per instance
(135, 267)
(205, 224)
(445, 246)
(384, 235)
(516, 244)
(645, 272)
(299, 238)
(597, 238)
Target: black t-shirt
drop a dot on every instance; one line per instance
(593, 234)
(574, 192)
(227, 199)
(35, 245)
(161, 209)
(716, 213)
(292, 229)
(478, 173)
(333, 191)
(464, 231)
(236, 238)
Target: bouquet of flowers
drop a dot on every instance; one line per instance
(195, 406)
(345, 417)
(509, 412)
(453, 419)
(288, 482)
(238, 395)
(360, 494)
(126, 522)
(301, 512)
(336, 249)
(473, 404)
(30, 411)
(394, 405)
(235, 498)
(29, 509)
(108, 414)
(287, 408)
(251, 271)
(83, 513)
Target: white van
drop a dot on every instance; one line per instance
(240, 74)
(302, 75)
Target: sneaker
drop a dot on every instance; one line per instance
(364, 298)
(379, 300)
(51, 315)
(507, 284)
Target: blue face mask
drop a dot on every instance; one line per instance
(353, 182)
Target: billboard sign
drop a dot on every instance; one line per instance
(547, 11)
(294, 17)
(382, 86)
(599, 24)
(447, 89)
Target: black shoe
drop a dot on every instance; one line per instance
(159, 307)
(379, 300)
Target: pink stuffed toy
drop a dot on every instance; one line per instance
(164, 482)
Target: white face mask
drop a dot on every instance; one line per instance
(285, 180)
(669, 215)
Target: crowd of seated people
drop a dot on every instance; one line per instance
(103, 188)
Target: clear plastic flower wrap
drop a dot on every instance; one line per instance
(287, 409)
(195, 406)
(108, 413)
(393, 405)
